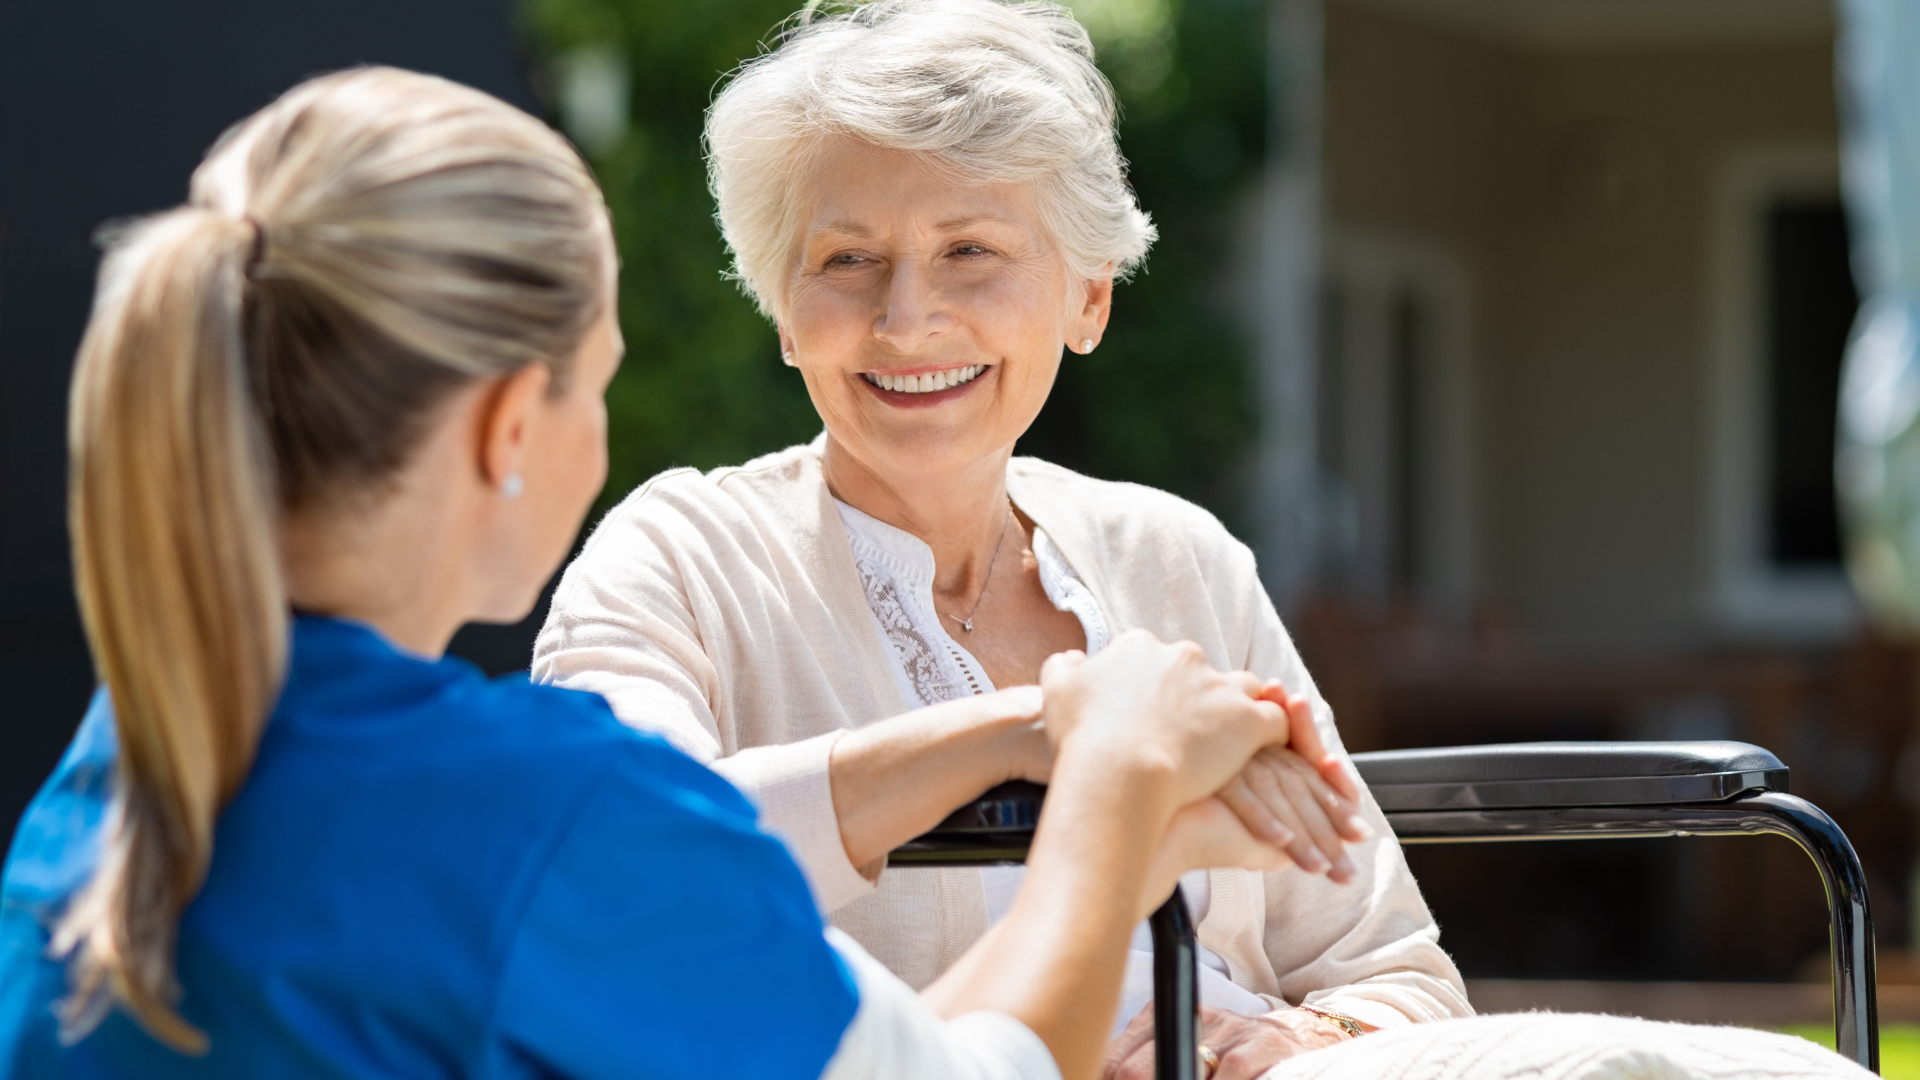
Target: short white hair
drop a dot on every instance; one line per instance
(986, 91)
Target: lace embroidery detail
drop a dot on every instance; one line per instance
(917, 657)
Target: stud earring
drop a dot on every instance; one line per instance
(1086, 346)
(512, 486)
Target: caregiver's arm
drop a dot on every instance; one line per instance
(1145, 733)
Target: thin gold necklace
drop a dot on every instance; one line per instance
(967, 623)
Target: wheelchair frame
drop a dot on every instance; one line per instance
(1481, 794)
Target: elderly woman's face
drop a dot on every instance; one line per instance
(926, 316)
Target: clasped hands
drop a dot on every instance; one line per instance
(1263, 788)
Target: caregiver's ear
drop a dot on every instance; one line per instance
(509, 412)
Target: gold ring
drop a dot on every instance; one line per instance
(1210, 1060)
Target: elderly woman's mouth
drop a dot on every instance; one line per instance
(925, 384)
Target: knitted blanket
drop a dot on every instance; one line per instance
(1568, 1046)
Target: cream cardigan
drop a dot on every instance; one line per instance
(724, 611)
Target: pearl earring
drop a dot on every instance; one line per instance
(1086, 346)
(512, 486)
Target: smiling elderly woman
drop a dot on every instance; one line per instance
(927, 198)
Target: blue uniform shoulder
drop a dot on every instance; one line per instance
(57, 839)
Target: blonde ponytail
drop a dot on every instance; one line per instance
(351, 255)
(171, 507)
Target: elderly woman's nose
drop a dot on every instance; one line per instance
(911, 310)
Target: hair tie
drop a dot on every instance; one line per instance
(258, 254)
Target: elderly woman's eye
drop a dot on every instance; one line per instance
(969, 249)
(845, 258)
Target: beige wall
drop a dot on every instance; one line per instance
(1573, 187)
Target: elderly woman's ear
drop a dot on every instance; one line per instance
(1088, 325)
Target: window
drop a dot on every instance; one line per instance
(1393, 425)
(1783, 304)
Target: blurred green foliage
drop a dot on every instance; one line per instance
(1166, 400)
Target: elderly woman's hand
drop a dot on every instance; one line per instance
(1301, 797)
(1246, 1046)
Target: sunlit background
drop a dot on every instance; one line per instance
(1509, 332)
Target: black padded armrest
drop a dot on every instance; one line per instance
(1560, 774)
(995, 828)
(1012, 805)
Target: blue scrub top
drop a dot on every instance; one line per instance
(432, 874)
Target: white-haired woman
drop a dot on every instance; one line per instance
(359, 376)
(927, 198)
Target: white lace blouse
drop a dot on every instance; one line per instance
(931, 666)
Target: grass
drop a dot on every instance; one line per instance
(1899, 1046)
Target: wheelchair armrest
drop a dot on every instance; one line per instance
(998, 826)
(1564, 774)
(994, 829)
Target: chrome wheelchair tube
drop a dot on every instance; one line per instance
(1856, 1013)
(1176, 991)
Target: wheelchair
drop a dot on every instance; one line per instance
(1505, 792)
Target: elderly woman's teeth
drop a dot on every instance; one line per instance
(925, 384)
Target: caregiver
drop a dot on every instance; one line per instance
(359, 376)
(927, 199)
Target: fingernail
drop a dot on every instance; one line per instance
(1280, 836)
(1345, 865)
(1359, 825)
(1314, 863)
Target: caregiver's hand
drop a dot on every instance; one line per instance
(1298, 796)
(1247, 1045)
(1160, 707)
(1201, 837)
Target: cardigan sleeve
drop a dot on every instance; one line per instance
(623, 625)
(1371, 949)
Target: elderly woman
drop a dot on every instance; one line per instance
(927, 198)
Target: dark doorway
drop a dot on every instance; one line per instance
(1811, 303)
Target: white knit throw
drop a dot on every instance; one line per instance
(1569, 1046)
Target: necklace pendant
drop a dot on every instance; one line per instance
(967, 625)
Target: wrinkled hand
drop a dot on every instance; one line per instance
(1247, 1045)
(1163, 707)
(1303, 797)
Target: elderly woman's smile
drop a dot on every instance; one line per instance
(916, 386)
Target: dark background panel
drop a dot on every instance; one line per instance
(105, 108)
(1811, 302)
